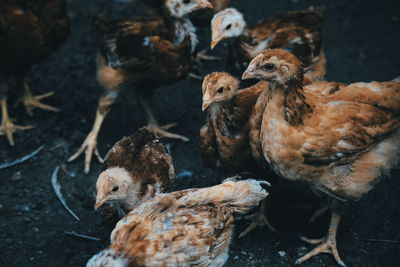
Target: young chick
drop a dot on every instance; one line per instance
(142, 53)
(299, 32)
(224, 139)
(136, 167)
(341, 144)
(186, 228)
(29, 32)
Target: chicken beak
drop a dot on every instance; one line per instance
(249, 72)
(205, 106)
(216, 36)
(202, 4)
(100, 199)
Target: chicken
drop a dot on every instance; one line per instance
(136, 167)
(340, 144)
(29, 32)
(224, 139)
(192, 227)
(142, 53)
(299, 32)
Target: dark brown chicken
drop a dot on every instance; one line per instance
(224, 139)
(193, 227)
(142, 54)
(29, 32)
(136, 167)
(340, 144)
(299, 32)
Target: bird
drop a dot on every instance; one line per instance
(29, 32)
(224, 139)
(341, 144)
(193, 227)
(141, 53)
(299, 32)
(137, 167)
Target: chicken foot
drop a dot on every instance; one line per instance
(153, 126)
(31, 102)
(89, 146)
(258, 219)
(326, 244)
(7, 127)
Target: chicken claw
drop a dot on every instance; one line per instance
(89, 146)
(161, 131)
(258, 219)
(326, 244)
(30, 102)
(7, 127)
(203, 56)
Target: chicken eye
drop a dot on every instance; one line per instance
(186, 1)
(115, 188)
(220, 90)
(228, 27)
(269, 67)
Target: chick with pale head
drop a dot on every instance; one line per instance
(218, 87)
(136, 168)
(226, 24)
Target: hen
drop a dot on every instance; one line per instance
(142, 53)
(340, 144)
(186, 228)
(136, 167)
(224, 139)
(299, 32)
(29, 32)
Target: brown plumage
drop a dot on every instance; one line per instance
(224, 139)
(29, 32)
(136, 167)
(299, 32)
(185, 228)
(144, 54)
(340, 144)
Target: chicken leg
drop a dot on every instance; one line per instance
(326, 244)
(7, 127)
(258, 218)
(160, 131)
(30, 102)
(90, 144)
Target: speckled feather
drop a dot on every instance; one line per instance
(341, 144)
(185, 228)
(145, 158)
(224, 139)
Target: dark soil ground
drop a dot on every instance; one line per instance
(361, 44)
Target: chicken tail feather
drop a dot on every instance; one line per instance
(241, 196)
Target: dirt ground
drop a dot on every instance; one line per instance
(361, 44)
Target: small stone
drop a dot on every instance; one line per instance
(236, 257)
(1, 206)
(282, 253)
(35, 229)
(26, 219)
(243, 252)
(17, 176)
(25, 208)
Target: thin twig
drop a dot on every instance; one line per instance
(57, 191)
(21, 159)
(73, 233)
(383, 240)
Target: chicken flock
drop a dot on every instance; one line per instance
(284, 121)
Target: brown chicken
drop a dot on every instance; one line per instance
(192, 227)
(299, 32)
(340, 144)
(224, 139)
(142, 53)
(136, 167)
(29, 32)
